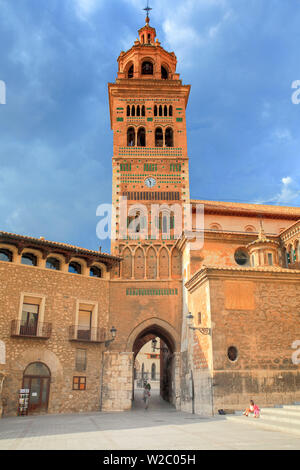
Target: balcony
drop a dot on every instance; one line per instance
(92, 335)
(38, 330)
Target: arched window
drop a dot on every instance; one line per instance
(138, 110)
(149, 38)
(147, 68)
(155, 110)
(133, 110)
(165, 223)
(53, 263)
(128, 110)
(130, 72)
(141, 137)
(130, 137)
(170, 110)
(159, 138)
(165, 110)
(215, 227)
(95, 272)
(29, 259)
(6, 255)
(164, 73)
(169, 137)
(37, 369)
(160, 112)
(143, 111)
(153, 372)
(74, 268)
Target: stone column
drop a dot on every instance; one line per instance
(117, 381)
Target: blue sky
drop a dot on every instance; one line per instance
(57, 56)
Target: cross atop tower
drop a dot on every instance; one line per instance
(147, 9)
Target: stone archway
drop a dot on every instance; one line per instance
(169, 354)
(118, 366)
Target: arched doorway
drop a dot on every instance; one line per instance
(36, 378)
(157, 344)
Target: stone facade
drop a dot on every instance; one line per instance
(62, 296)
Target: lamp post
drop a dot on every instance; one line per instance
(203, 331)
(154, 348)
(113, 332)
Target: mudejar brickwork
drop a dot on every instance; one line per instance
(227, 312)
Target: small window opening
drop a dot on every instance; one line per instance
(141, 137)
(130, 72)
(164, 73)
(130, 137)
(159, 139)
(147, 68)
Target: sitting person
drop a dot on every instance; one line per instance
(256, 411)
(252, 409)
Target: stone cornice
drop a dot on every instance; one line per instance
(242, 238)
(262, 274)
(291, 232)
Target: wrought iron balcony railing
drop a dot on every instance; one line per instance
(93, 335)
(35, 330)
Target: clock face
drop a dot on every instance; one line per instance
(150, 182)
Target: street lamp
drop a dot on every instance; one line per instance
(203, 331)
(113, 332)
(154, 348)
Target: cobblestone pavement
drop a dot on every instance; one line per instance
(159, 427)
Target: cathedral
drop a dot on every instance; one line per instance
(216, 282)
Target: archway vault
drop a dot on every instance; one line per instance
(148, 330)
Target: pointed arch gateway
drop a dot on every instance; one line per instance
(169, 348)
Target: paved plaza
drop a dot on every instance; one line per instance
(160, 427)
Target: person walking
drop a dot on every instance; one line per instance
(146, 395)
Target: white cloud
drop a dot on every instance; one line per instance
(183, 33)
(289, 193)
(282, 135)
(85, 8)
(287, 180)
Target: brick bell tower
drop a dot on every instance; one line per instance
(150, 162)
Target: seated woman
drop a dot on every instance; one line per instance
(252, 409)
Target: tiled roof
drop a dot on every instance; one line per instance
(290, 212)
(65, 246)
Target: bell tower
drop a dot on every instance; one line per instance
(150, 162)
